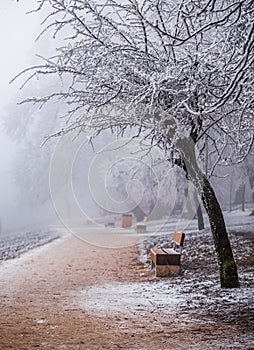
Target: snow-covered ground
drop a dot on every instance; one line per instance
(236, 219)
(195, 295)
(14, 243)
(191, 299)
(197, 287)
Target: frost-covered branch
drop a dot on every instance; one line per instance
(124, 61)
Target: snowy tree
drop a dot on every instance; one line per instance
(127, 170)
(151, 176)
(181, 72)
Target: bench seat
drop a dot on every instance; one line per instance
(167, 256)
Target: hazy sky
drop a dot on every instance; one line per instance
(18, 31)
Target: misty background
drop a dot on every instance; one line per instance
(24, 171)
(25, 198)
(18, 51)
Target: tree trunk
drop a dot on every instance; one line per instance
(201, 224)
(243, 198)
(227, 266)
(228, 269)
(230, 195)
(139, 213)
(251, 179)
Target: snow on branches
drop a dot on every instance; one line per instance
(144, 63)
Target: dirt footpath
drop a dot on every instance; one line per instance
(37, 311)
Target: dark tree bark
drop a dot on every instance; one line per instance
(251, 179)
(227, 266)
(228, 269)
(201, 224)
(139, 213)
(243, 198)
(200, 218)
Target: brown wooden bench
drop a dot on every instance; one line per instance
(167, 261)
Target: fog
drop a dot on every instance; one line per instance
(18, 47)
(25, 200)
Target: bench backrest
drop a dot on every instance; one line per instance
(178, 238)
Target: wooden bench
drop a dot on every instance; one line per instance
(110, 224)
(126, 220)
(140, 228)
(167, 261)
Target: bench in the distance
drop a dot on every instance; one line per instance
(167, 261)
(140, 228)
